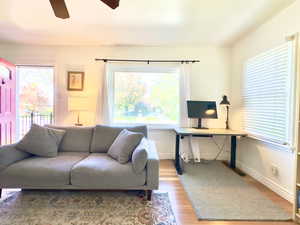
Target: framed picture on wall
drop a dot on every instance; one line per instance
(75, 81)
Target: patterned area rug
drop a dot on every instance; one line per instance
(85, 208)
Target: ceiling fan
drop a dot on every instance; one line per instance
(60, 9)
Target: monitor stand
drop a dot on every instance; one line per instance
(200, 124)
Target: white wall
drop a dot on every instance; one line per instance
(254, 156)
(209, 79)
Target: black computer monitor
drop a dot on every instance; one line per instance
(202, 110)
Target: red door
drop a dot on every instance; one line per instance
(7, 102)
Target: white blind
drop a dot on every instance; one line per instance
(268, 94)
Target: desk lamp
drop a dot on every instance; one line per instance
(226, 103)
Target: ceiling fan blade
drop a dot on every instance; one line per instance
(112, 3)
(60, 9)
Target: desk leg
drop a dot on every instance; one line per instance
(177, 156)
(233, 152)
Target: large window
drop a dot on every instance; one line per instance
(269, 95)
(145, 95)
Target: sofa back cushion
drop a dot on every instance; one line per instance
(104, 136)
(76, 139)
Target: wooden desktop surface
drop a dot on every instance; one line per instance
(211, 131)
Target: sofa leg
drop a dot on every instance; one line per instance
(149, 195)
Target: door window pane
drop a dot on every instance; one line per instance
(36, 95)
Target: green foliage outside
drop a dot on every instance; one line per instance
(36, 89)
(151, 98)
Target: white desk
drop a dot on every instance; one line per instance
(182, 132)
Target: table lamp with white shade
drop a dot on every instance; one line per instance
(78, 104)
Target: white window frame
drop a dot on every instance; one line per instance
(112, 68)
(292, 86)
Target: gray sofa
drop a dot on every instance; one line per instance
(82, 163)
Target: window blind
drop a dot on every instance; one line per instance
(268, 95)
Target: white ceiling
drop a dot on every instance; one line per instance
(135, 22)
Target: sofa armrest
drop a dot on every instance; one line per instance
(9, 155)
(152, 167)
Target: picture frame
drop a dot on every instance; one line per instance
(75, 81)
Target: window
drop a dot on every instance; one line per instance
(145, 95)
(269, 95)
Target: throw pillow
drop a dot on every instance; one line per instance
(41, 141)
(123, 146)
(140, 156)
(104, 136)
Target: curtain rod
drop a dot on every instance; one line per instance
(148, 61)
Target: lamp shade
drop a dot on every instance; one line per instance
(78, 104)
(225, 101)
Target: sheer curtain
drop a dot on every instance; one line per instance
(189, 149)
(185, 93)
(103, 103)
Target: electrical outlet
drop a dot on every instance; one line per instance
(274, 170)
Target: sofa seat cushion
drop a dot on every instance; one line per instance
(76, 139)
(40, 171)
(99, 170)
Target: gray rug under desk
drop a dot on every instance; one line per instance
(218, 193)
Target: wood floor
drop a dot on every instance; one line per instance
(183, 210)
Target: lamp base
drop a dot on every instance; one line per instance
(227, 117)
(78, 124)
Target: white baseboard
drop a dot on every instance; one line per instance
(283, 192)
